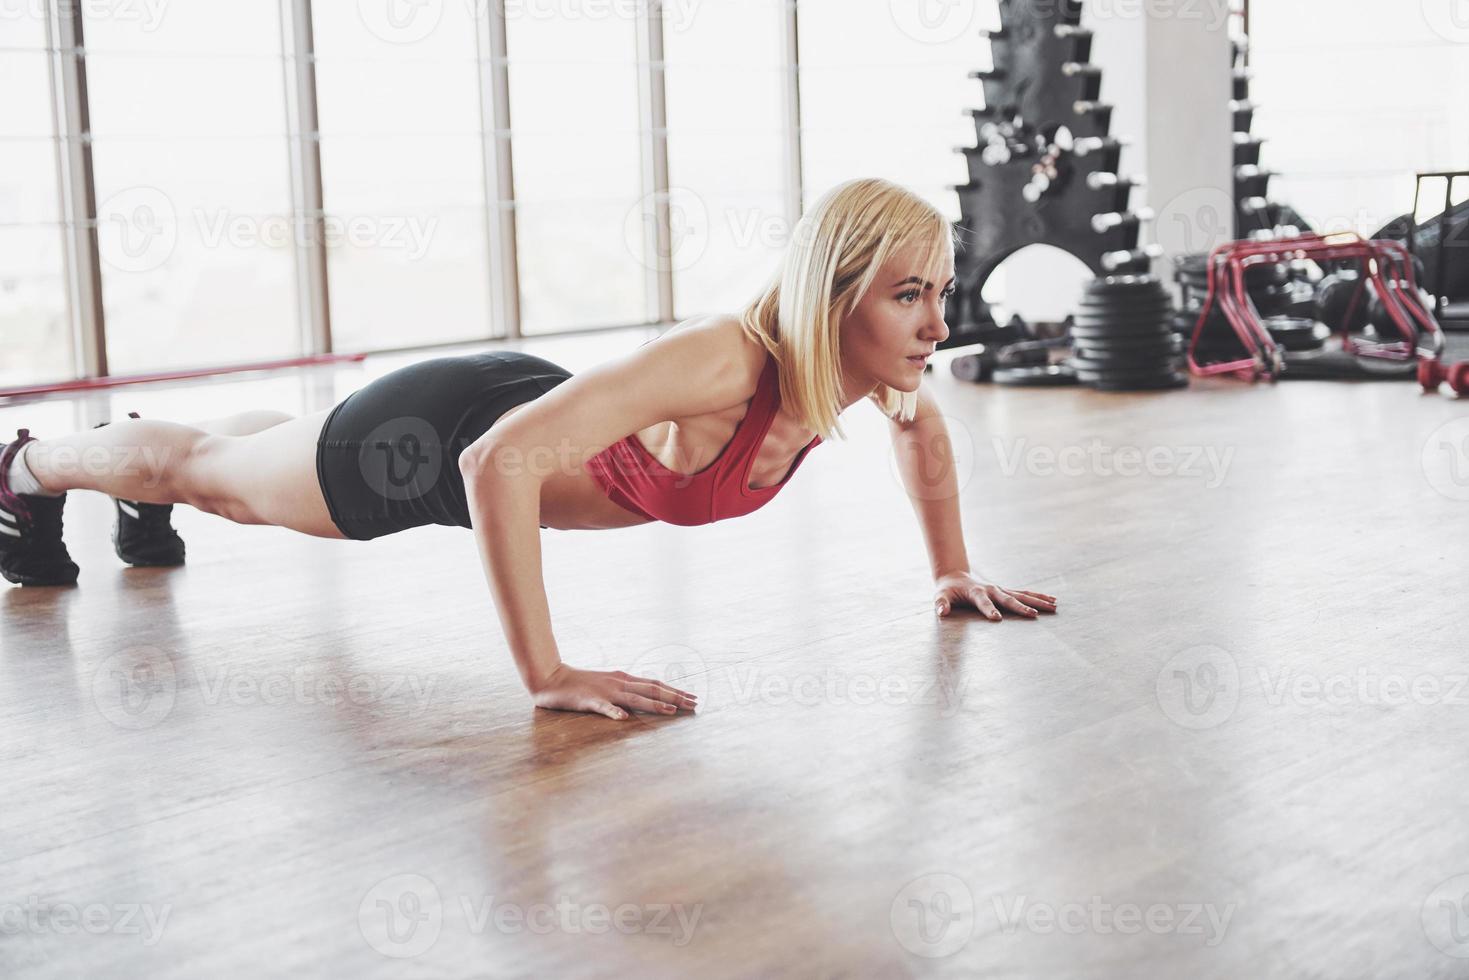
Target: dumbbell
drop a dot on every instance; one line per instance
(1433, 373)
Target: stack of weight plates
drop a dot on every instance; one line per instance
(1122, 338)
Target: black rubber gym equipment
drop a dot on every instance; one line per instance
(1027, 353)
(971, 367)
(1334, 302)
(1177, 379)
(1297, 333)
(1104, 359)
(1172, 343)
(1050, 376)
(1122, 331)
(1122, 337)
(1440, 246)
(1336, 365)
(1044, 167)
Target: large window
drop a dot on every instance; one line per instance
(883, 88)
(34, 330)
(726, 150)
(578, 156)
(402, 173)
(1355, 97)
(193, 186)
(197, 205)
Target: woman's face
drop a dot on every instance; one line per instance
(898, 323)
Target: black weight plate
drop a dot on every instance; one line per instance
(1151, 355)
(1297, 333)
(1176, 380)
(1112, 358)
(1111, 368)
(1162, 379)
(1090, 373)
(1124, 324)
(1122, 284)
(1163, 307)
(1034, 377)
(1124, 313)
(1092, 318)
(1110, 361)
(1139, 302)
(1157, 340)
(1121, 331)
(1122, 345)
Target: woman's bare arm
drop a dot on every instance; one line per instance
(685, 372)
(926, 462)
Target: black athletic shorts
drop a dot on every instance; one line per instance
(388, 454)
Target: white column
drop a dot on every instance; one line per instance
(1166, 67)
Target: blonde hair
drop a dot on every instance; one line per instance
(834, 254)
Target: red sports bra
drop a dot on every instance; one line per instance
(631, 478)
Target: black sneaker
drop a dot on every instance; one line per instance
(31, 549)
(143, 534)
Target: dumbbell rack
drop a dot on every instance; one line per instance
(1044, 167)
(1256, 216)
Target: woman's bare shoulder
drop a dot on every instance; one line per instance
(727, 341)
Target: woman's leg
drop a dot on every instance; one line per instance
(243, 423)
(265, 474)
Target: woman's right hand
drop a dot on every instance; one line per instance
(609, 692)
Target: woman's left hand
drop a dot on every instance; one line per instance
(963, 589)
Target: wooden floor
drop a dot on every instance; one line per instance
(1238, 751)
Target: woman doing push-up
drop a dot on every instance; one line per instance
(705, 422)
